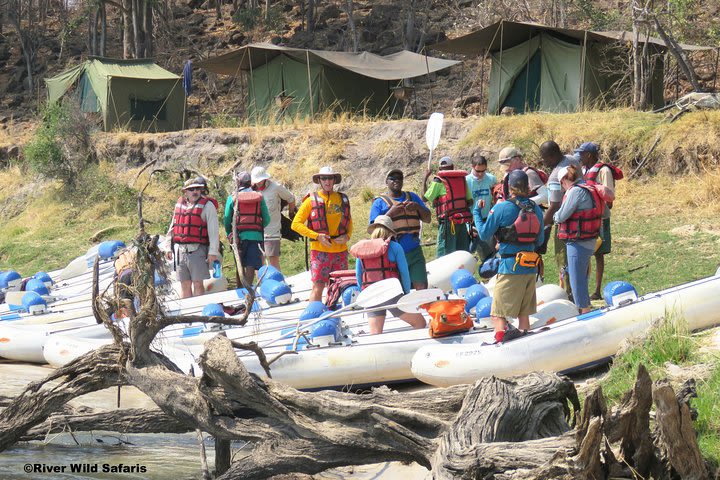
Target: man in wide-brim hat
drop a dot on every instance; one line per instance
(274, 196)
(324, 218)
(194, 233)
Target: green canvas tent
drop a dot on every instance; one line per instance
(300, 82)
(536, 67)
(134, 94)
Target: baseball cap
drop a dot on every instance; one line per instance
(508, 153)
(588, 147)
(446, 162)
(518, 179)
(243, 178)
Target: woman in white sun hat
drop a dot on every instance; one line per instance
(324, 217)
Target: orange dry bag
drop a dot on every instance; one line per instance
(447, 317)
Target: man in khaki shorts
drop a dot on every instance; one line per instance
(514, 293)
(195, 243)
(274, 194)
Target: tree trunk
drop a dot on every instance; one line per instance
(218, 9)
(679, 54)
(311, 16)
(148, 28)
(127, 35)
(349, 9)
(410, 26)
(137, 34)
(103, 29)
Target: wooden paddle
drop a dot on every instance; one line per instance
(432, 133)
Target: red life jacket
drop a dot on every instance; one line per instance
(317, 221)
(213, 201)
(502, 191)
(592, 172)
(525, 228)
(583, 224)
(376, 264)
(248, 214)
(453, 205)
(403, 221)
(188, 225)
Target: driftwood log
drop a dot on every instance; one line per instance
(500, 429)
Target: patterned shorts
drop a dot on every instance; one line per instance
(322, 263)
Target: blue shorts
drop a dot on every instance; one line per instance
(250, 254)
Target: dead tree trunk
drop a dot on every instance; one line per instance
(679, 54)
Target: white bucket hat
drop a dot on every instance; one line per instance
(258, 174)
(325, 172)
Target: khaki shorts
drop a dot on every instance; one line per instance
(272, 248)
(514, 295)
(192, 265)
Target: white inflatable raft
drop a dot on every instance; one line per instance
(570, 344)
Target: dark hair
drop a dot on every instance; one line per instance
(550, 148)
(478, 160)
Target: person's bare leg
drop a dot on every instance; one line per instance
(274, 261)
(416, 320)
(248, 275)
(419, 285)
(198, 288)
(499, 324)
(524, 322)
(599, 271)
(317, 291)
(376, 323)
(186, 289)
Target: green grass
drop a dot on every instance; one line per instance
(668, 341)
(708, 421)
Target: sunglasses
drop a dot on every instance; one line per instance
(324, 178)
(193, 189)
(480, 171)
(395, 179)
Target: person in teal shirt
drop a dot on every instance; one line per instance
(514, 293)
(253, 216)
(480, 182)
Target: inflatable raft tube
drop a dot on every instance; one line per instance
(573, 343)
(441, 269)
(25, 344)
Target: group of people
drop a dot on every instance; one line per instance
(510, 220)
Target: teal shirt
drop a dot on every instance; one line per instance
(247, 235)
(481, 189)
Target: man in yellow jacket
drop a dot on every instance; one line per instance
(324, 217)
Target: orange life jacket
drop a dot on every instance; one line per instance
(583, 224)
(447, 317)
(403, 221)
(125, 261)
(188, 225)
(317, 221)
(376, 264)
(454, 205)
(248, 214)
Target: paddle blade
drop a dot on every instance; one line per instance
(434, 127)
(409, 303)
(379, 293)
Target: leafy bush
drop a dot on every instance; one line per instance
(61, 147)
(247, 17)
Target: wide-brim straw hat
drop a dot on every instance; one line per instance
(195, 182)
(384, 221)
(326, 171)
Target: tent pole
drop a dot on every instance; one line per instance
(482, 70)
(527, 74)
(482, 79)
(502, 28)
(581, 100)
(252, 84)
(307, 58)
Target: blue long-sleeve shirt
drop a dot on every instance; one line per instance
(504, 214)
(575, 199)
(397, 255)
